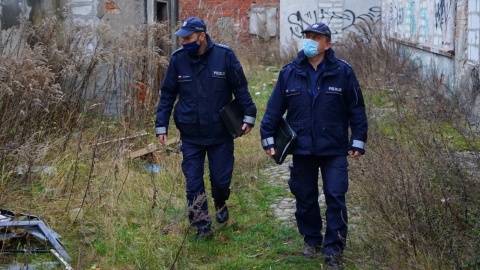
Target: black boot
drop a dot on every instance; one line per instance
(220, 196)
(204, 232)
(333, 262)
(222, 214)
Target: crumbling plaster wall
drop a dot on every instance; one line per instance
(32, 10)
(84, 11)
(119, 13)
(469, 79)
(37, 10)
(442, 37)
(426, 29)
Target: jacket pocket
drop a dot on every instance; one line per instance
(302, 142)
(185, 86)
(219, 82)
(295, 98)
(335, 135)
(187, 125)
(291, 92)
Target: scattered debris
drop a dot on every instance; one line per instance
(144, 151)
(152, 168)
(14, 226)
(44, 170)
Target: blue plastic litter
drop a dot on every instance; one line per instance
(152, 168)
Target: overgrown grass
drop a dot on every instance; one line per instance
(416, 188)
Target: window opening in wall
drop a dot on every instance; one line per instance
(161, 11)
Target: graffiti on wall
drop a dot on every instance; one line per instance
(443, 15)
(426, 23)
(299, 21)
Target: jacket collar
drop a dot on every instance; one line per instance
(209, 47)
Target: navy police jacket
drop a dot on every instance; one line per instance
(203, 84)
(320, 115)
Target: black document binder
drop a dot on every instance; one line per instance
(284, 139)
(232, 116)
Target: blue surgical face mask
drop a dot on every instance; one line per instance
(192, 47)
(310, 47)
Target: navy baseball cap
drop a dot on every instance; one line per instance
(191, 25)
(319, 28)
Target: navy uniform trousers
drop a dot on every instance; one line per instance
(303, 184)
(220, 165)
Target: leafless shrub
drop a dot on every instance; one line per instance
(418, 182)
(59, 78)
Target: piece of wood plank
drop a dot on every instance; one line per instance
(124, 138)
(152, 148)
(141, 152)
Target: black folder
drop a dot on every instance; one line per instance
(284, 139)
(232, 116)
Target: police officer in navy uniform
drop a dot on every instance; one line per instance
(204, 76)
(323, 100)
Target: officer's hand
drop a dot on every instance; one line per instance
(270, 152)
(162, 138)
(246, 128)
(354, 154)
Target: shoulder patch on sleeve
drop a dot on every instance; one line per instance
(286, 67)
(223, 46)
(177, 50)
(346, 63)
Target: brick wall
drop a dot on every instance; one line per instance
(236, 9)
(225, 19)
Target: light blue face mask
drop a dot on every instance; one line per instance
(310, 47)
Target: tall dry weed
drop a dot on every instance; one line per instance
(58, 78)
(418, 182)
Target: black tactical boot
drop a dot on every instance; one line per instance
(222, 214)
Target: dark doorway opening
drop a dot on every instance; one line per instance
(161, 11)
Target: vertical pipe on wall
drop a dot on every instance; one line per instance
(174, 10)
(145, 11)
(461, 43)
(1, 31)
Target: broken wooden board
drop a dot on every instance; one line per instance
(124, 138)
(141, 152)
(152, 148)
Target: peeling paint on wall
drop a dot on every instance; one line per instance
(263, 22)
(111, 7)
(473, 37)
